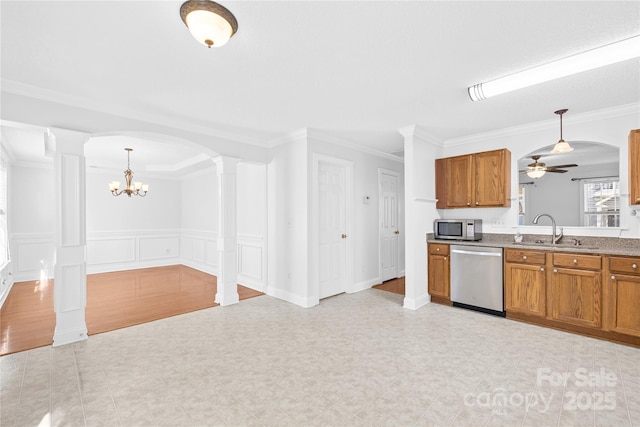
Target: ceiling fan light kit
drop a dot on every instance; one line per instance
(537, 169)
(210, 23)
(594, 58)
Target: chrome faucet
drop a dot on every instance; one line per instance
(554, 238)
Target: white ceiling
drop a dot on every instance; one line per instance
(353, 69)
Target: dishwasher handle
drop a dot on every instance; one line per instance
(459, 251)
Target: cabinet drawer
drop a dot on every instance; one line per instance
(624, 265)
(524, 256)
(586, 262)
(438, 249)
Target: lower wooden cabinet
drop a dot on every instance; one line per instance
(576, 297)
(525, 289)
(576, 289)
(591, 294)
(623, 297)
(438, 275)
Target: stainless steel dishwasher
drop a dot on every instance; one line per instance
(476, 278)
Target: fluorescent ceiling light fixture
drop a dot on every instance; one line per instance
(594, 58)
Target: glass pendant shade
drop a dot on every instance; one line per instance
(561, 147)
(536, 172)
(209, 23)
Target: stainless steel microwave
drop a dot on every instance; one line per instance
(457, 229)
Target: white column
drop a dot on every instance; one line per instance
(70, 281)
(420, 152)
(227, 279)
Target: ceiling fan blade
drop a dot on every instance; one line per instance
(573, 165)
(557, 170)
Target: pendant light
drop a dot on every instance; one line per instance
(209, 22)
(561, 146)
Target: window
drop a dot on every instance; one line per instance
(601, 202)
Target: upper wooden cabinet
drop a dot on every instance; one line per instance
(474, 180)
(634, 167)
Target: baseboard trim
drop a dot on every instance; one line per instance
(364, 285)
(68, 337)
(416, 303)
(293, 299)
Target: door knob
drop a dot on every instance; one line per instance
(344, 236)
(397, 232)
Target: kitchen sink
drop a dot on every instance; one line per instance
(547, 245)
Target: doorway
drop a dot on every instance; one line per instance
(388, 182)
(333, 190)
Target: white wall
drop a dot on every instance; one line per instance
(291, 263)
(287, 175)
(251, 187)
(420, 151)
(365, 235)
(132, 232)
(31, 222)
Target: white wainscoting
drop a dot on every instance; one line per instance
(198, 250)
(33, 256)
(127, 250)
(252, 260)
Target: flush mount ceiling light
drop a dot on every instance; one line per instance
(599, 57)
(136, 188)
(209, 22)
(561, 146)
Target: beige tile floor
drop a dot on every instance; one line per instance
(358, 359)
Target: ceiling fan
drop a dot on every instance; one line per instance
(538, 169)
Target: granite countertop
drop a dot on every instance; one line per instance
(590, 245)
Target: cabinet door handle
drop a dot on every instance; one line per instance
(468, 204)
(638, 199)
(634, 266)
(575, 261)
(477, 203)
(445, 258)
(555, 270)
(524, 257)
(613, 277)
(437, 249)
(541, 268)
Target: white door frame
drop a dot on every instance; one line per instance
(380, 211)
(314, 226)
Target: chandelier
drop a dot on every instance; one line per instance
(137, 188)
(210, 23)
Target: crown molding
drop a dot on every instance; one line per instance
(590, 116)
(298, 135)
(36, 92)
(331, 139)
(417, 131)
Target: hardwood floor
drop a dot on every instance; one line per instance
(114, 300)
(394, 285)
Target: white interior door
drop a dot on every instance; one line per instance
(332, 228)
(389, 227)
